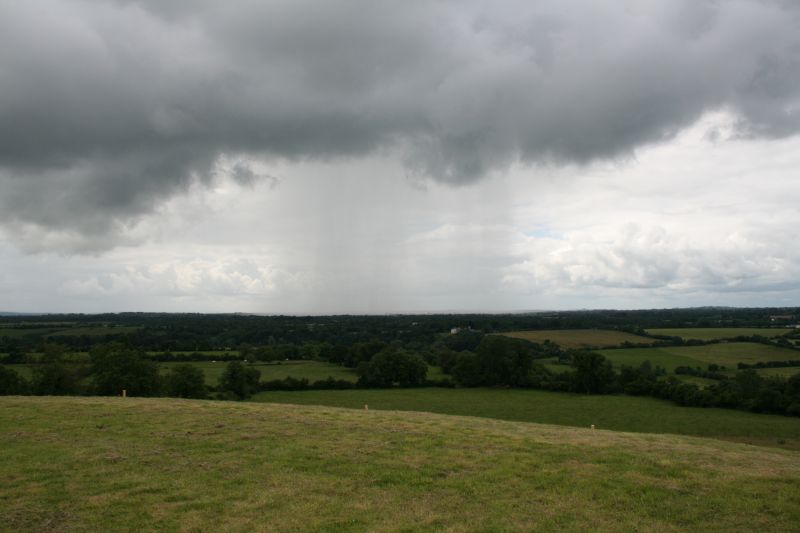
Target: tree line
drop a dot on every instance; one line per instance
(468, 359)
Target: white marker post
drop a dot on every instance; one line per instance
(124, 393)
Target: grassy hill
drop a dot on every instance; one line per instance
(132, 464)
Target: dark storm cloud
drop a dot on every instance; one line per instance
(107, 108)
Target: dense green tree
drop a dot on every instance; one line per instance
(363, 352)
(445, 358)
(464, 340)
(593, 373)
(750, 383)
(239, 381)
(54, 378)
(504, 361)
(637, 381)
(185, 381)
(391, 367)
(116, 368)
(467, 371)
(11, 382)
(53, 375)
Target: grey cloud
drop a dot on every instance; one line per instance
(108, 108)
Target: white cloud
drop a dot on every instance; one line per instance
(195, 278)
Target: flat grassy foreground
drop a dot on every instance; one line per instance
(709, 334)
(104, 464)
(580, 338)
(619, 413)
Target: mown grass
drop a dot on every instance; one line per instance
(727, 354)
(708, 334)
(169, 465)
(580, 338)
(619, 413)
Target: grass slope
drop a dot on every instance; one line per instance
(708, 334)
(579, 338)
(620, 413)
(129, 465)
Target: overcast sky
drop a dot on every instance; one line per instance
(344, 156)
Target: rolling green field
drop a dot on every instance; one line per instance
(727, 354)
(102, 464)
(579, 338)
(619, 413)
(709, 334)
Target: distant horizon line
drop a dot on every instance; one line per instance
(388, 313)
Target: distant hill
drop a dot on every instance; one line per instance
(155, 464)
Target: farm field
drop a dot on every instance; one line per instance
(73, 464)
(709, 334)
(579, 338)
(619, 413)
(785, 372)
(727, 354)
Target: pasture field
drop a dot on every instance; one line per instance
(710, 334)
(785, 372)
(113, 464)
(579, 338)
(727, 354)
(619, 413)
